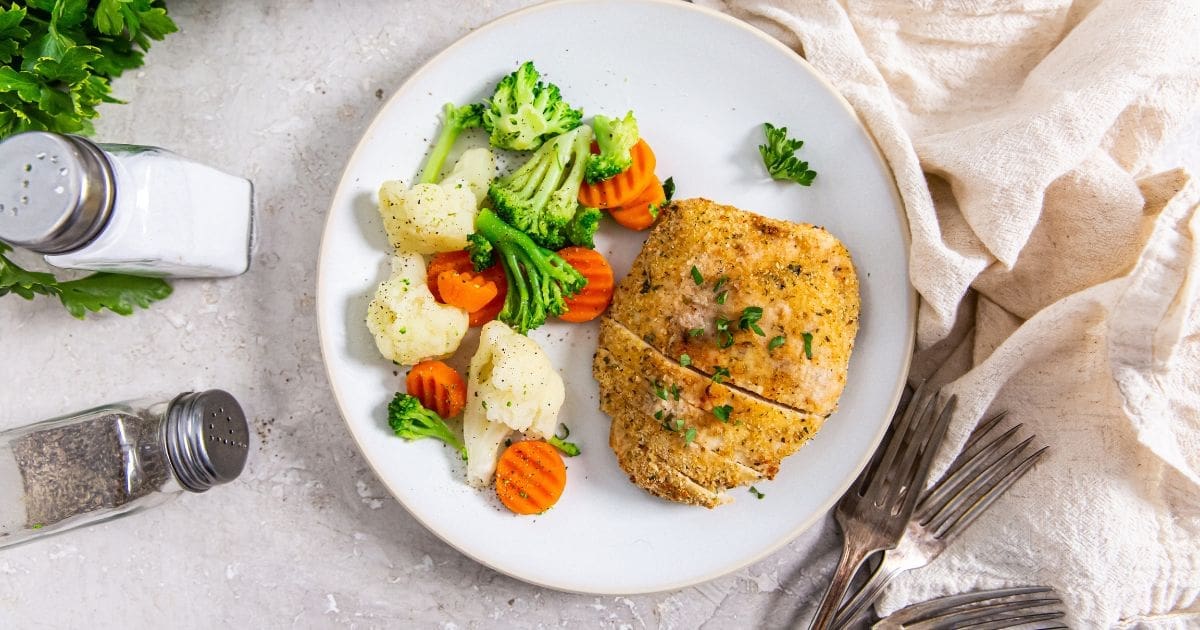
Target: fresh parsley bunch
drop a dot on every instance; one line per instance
(57, 58)
(60, 55)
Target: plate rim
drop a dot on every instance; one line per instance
(324, 337)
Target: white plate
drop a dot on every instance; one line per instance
(701, 85)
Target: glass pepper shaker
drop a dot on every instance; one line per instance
(123, 208)
(118, 459)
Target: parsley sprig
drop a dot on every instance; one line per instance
(58, 57)
(779, 156)
(115, 292)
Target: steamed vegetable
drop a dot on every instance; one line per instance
(642, 212)
(538, 280)
(624, 187)
(523, 111)
(430, 218)
(615, 138)
(511, 386)
(438, 386)
(541, 198)
(530, 477)
(460, 261)
(411, 421)
(408, 324)
(596, 295)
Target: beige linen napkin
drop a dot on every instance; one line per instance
(1059, 276)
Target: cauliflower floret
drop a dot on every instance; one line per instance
(408, 324)
(432, 218)
(511, 386)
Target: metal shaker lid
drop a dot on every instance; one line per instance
(56, 191)
(207, 439)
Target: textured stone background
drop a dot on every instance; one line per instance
(280, 91)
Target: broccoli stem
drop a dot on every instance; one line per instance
(455, 121)
(538, 280)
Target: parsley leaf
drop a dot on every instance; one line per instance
(696, 277)
(570, 449)
(720, 374)
(690, 436)
(756, 493)
(114, 292)
(59, 57)
(685, 360)
(722, 412)
(778, 155)
(807, 344)
(695, 332)
(669, 188)
(749, 319)
(776, 341)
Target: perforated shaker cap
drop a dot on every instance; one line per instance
(56, 191)
(207, 439)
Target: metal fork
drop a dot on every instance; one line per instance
(983, 472)
(981, 610)
(874, 512)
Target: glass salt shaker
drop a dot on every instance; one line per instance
(114, 460)
(123, 208)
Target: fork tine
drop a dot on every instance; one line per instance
(970, 490)
(981, 505)
(918, 458)
(1012, 622)
(983, 613)
(943, 605)
(980, 431)
(901, 439)
(905, 413)
(962, 473)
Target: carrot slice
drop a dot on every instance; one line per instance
(624, 187)
(460, 261)
(530, 477)
(595, 296)
(467, 291)
(438, 386)
(636, 215)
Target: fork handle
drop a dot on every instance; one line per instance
(853, 555)
(869, 592)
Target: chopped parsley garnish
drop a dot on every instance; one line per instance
(699, 279)
(775, 342)
(675, 392)
(720, 283)
(669, 188)
(720, 374)
(695, 332)
(566, 432)
(721, 297)
(724, 337)
(779, 156)
(659, 390)
(685, 360)
(756, 493)
(722, 412)
(808, 345)
(653, 210)
(749, 319)
(658, 415)
(690, 435)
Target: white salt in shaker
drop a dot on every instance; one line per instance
(123, 208)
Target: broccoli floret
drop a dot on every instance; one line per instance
(480, 250)
(524, 112)
(582, 228)
(615, 137)
(538, 280)
(411, 421)
(541, 197)
(456, 120)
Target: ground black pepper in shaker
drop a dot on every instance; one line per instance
(116, 459)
